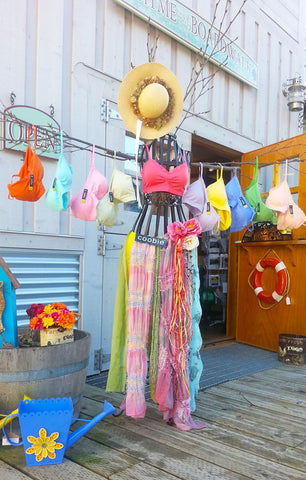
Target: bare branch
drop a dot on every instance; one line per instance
(198, 84)
(151, 46)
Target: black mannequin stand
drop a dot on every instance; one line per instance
(160, 208)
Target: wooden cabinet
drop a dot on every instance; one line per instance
(260, 325)
(249, 322)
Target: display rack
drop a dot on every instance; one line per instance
(216, 266)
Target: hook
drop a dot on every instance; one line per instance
(12, 97)
(51, 108)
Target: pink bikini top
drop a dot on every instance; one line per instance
(84, 203)
(280, 196)
(156, 178)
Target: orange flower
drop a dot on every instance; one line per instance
(66, 320)
(59, 306)
(55, 314)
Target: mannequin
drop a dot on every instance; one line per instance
(164, 206)
(158, 295)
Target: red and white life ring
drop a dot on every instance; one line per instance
(280, 269)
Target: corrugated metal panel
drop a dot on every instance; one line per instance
(45, 277)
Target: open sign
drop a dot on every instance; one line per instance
(19, 124)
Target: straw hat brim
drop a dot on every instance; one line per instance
(128, 87)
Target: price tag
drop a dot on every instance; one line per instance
(84, 195)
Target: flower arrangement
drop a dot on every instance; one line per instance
(51, 315)
(185, 233)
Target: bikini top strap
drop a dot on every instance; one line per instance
(185, 157)
(148, 151)
(62, 144)
(34, 131)
(201, 170)
(182, 154)
(221, 172)
(92, 162)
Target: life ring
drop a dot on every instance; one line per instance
(281, 286)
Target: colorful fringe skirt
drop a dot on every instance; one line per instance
(162, 340)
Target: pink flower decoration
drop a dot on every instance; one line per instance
(176, 230)
(193, 227)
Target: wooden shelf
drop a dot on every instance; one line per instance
(278, 243)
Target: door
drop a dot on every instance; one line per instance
(113, 238)
(253, 324)
(98, 114)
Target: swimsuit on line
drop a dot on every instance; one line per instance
(195, 198)
(156, 178)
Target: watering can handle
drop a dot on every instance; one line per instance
(5, 434)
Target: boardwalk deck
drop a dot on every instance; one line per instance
(255, 429)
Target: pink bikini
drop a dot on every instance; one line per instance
(156, 178)
(84, 203)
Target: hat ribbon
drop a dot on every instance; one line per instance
(138, 130)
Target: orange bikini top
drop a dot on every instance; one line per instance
(28, 186)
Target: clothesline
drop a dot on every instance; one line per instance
(74, 144)
(215, 166)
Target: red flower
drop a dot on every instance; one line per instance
(35, 310)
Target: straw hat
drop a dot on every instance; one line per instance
(152, 93)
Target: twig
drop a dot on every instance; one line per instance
(151, 49)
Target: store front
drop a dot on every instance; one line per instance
(213, 250)
(241, 110)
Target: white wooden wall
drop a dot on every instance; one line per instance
(74, 53)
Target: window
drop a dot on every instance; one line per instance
(45, 277)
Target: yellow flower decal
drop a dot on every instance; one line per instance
(44, 446)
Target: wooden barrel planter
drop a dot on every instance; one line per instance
(44, 372)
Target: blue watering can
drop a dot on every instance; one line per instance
(44, 425)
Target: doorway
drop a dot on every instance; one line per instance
(213, 251)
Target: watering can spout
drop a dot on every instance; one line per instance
(75, 436)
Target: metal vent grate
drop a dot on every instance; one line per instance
(45, 277)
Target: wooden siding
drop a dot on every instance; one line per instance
(255, 429)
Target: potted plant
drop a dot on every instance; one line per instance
(54, 322)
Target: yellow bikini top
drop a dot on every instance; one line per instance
(216, 193)
(122, 187)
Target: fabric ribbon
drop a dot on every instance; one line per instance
(181, 330)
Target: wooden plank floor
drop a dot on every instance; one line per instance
(255, 429)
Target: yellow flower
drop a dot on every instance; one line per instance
(44, 446)
(48, 322)
(48, 309)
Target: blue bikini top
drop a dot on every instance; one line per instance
(58, 193)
